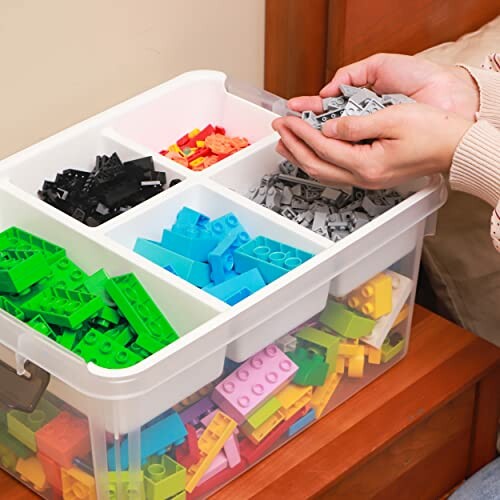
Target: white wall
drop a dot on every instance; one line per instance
(64, 60)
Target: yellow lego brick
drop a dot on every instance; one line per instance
(324, 393)
(77, 485)
(374, 355)
(403, 314)
(31, 471)
(374, 298)
(210, 443)
(293, 398)
(174, 149)
(341, 364)
(257, 435)
(355, 367)
(200, 144)
(197, 162)
(348, 350)
(194, 133)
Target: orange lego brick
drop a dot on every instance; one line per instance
(64, 438)
(52, 471)
(31, 471)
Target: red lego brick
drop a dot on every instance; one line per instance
(250, 452)
(188, 453)
(52, 472)
(219, 479)
(220, 130)
(64, 438)
(201, 136)
(183, 140)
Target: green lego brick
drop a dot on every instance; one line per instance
(21, 269)
(10, 442)
(313, 369)
(345, 322)
(109, 315)
(23, 426)
(139, 351)
(65, 274)
(70, 338)
(97, 348)
(327, 344)
(123, 335)
(22, 240)
(3, 417)
(120, 486)
(163, 478)
(96, 285)
(41, 326)
(267, 410)
(62, 307)
(11, 308)
(153, 329)
(392, 346)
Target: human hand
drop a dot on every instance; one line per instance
(408, 141)
(447, 87)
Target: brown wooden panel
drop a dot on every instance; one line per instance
(401, 463)
(359, 28)
(296, 38)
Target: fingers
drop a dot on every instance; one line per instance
(306, 103)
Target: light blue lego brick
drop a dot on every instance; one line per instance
(239, 287)
(221, 258)
(222, 226)
(155, 440)
(192, 242)
(302, 422)
(227, 276)
(189, 217)
(272, 258)
(197, 273)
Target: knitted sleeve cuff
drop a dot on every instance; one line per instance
(488, 83)
(476, 165)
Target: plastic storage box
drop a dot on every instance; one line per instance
(181, 421)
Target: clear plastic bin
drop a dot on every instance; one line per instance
(111, 406)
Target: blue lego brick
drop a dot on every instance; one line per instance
(272, 258)
(221, 258)
(192, 242)
(155, 440)
(302, 422)
(197, 273)
(222, 226)
(227, 276)
(238, 288)
(189, 217)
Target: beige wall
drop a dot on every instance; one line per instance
(64, 60)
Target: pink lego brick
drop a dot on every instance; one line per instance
(232, 451)
(253, 382)
(218, 465)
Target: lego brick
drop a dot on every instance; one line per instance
(210, 444)
(403, 314)
(163, 478)
(8, 459)
(253, 382)
(68, 338)
(122, 334)
(256, 435)
(62, 307)
(226, 224)
(392, 346)
(293, 398)
(21, 269)
(64, 438)
(41, 326)
(345, 322)
(302, 422)
(322, 395)
(373, 298)
(23, 426)
(77, 485)
(22, 240)
(155, 440)
(232, 451)
(326, 343)
(153, 329)
(31, 471)
(263, 413)
(125, 485)
(272, 258)
(238, 288)
(192, 242)
(313, 369)
(52, 471)
(218, 465)
(401, 290)
(11, 308)
(96, 285)
(194, 413)
(188, 453)
(219, 479)
(65, 274)
(374, 355)
(197, 273)
(100, 349)
(13, 444)
(189, 217)
(287, 343)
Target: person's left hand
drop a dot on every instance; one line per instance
(408, 141)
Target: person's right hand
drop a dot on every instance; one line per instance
(447, 87)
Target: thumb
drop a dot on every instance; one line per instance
(358, 128)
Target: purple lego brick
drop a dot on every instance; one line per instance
(253, 382)
(197, 411)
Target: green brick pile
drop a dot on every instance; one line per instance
(112, 322)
